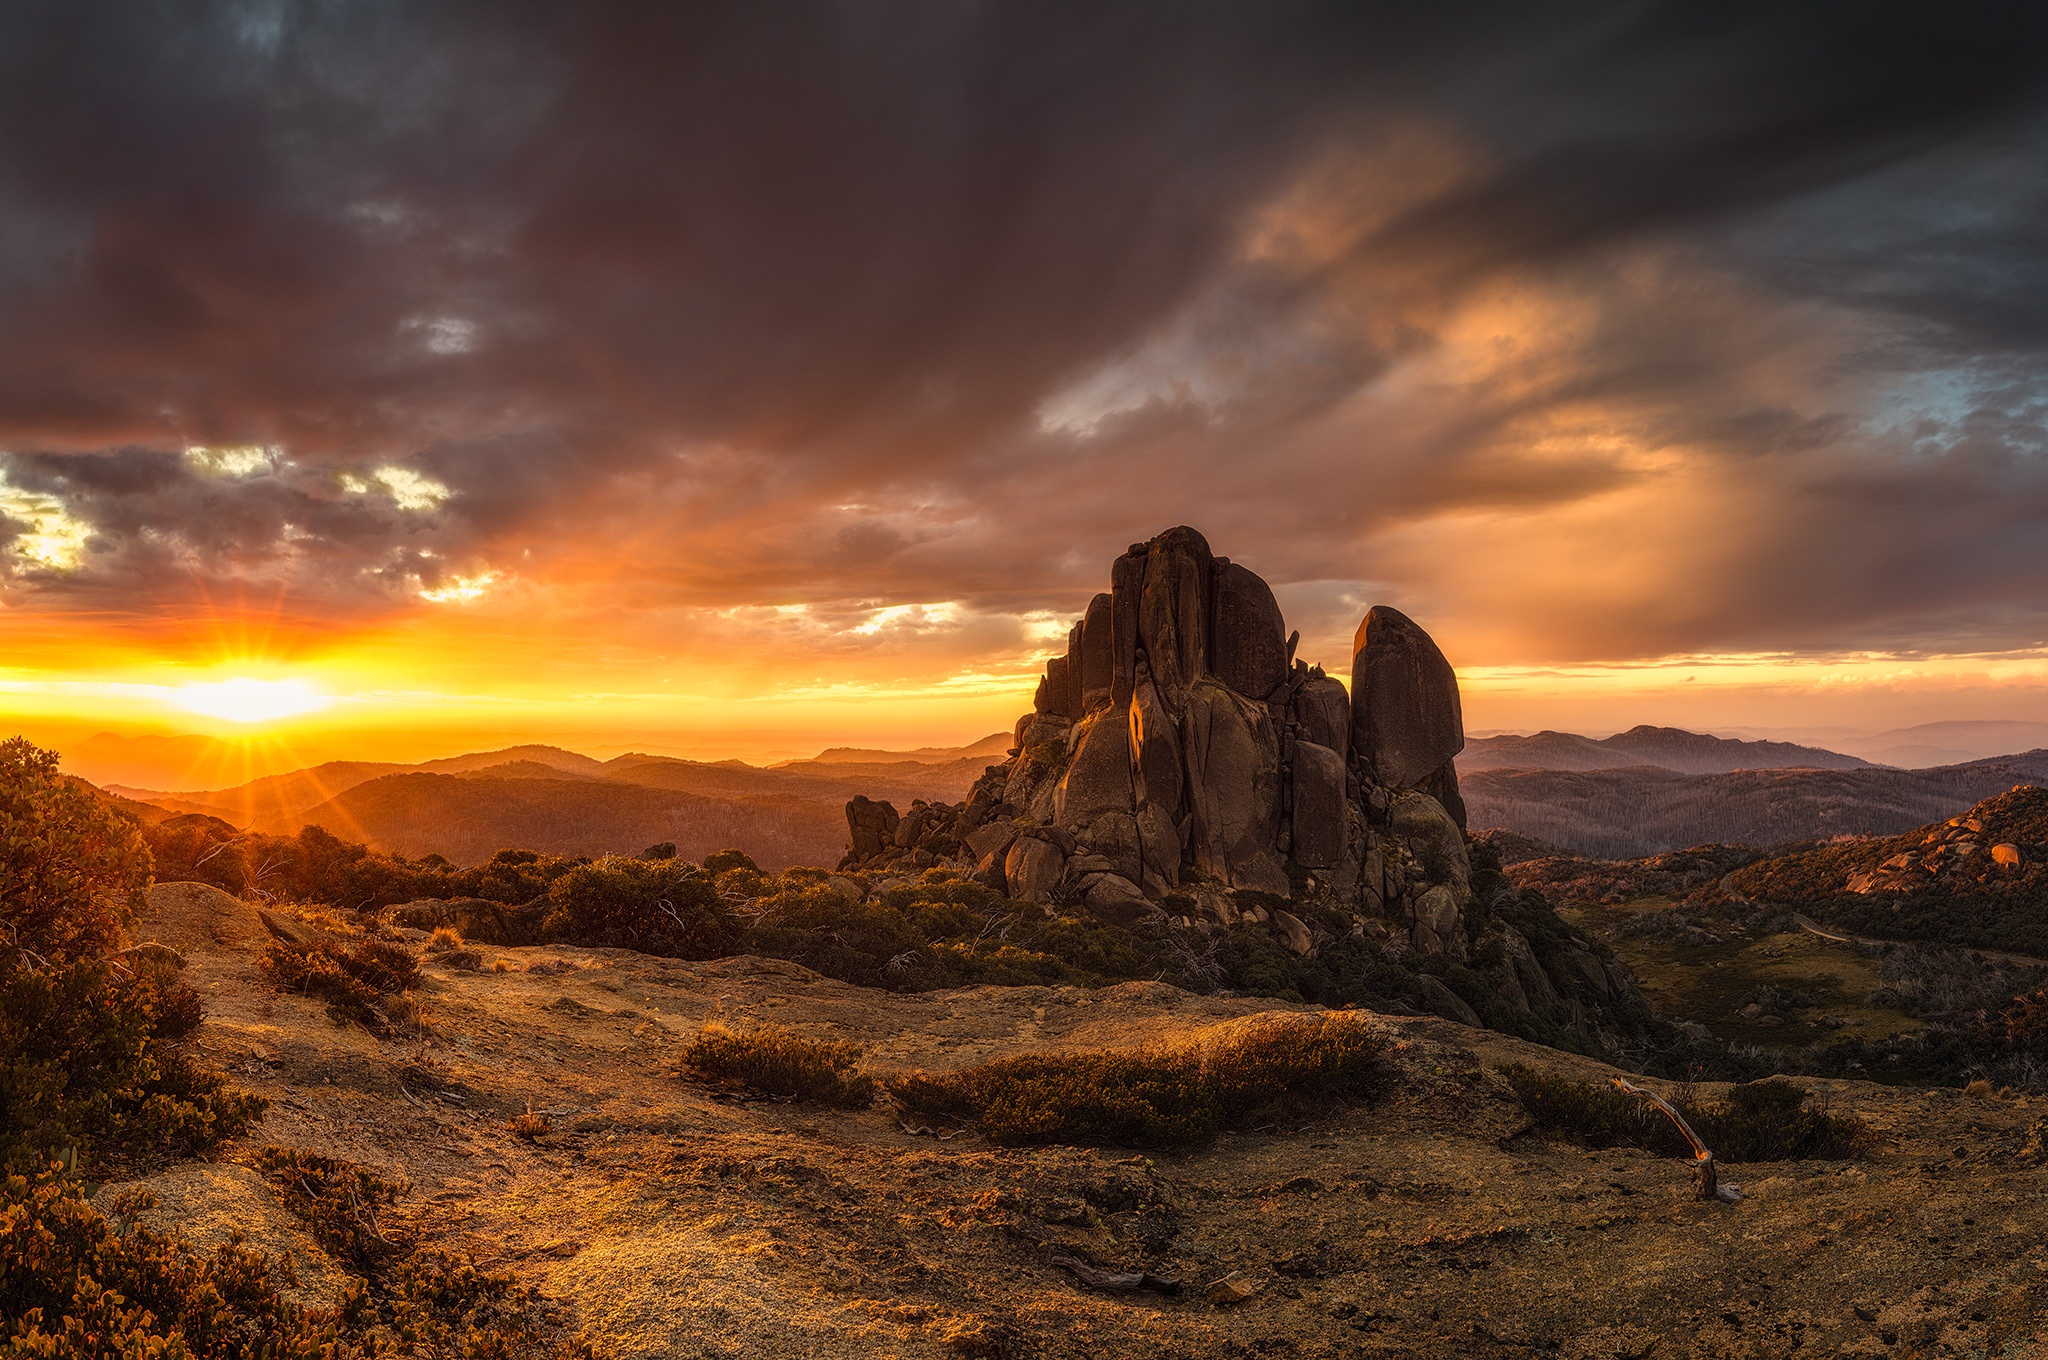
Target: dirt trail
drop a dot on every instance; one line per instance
(675, 1223)
(1813, 927)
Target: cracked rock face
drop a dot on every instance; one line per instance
(1180, 746)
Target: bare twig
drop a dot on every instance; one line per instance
(1704, 1176)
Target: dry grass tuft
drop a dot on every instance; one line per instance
(444, 939)
(531, 1126)
(773, 1062)
(362, 982)
(1273, 1069)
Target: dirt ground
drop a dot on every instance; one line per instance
(671, 1222)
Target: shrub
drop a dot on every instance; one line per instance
(1280, 1067)
(774, 1062)
(362, 982)
(86, 1063)
(718, 861)
(1761, 1121)
(74, 1286)
(339, 1201)
(665, 907)
(68, 863)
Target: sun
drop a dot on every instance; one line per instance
(244, 700)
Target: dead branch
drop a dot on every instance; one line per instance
(1705, 1178)
(1115, 1281)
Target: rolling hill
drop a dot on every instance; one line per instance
(1647, 810)
(1668, 748)
(466, 808)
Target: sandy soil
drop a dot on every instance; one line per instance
(673, 1222)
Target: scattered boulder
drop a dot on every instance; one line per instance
(1115, 898)
(873, 826)
(1293, 932)
(1033, 868)
(1406, 720)
(1437, 926)
(2007, 855)
(1441, 1000)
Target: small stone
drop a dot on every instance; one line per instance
(1229, 1290)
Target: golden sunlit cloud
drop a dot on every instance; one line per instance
(248, 701)
(409, 490)
(909, 616)
(51, 536)
(233, 460)
(461, 589)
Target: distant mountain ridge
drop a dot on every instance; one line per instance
(1668, 748)
(466, 808)
(1647, 810)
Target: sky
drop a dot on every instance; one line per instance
(382, 379)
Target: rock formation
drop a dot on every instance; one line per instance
(1178, 753)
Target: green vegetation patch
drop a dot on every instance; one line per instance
(1273, 1069)
(774, 1062)
(1762, 1121)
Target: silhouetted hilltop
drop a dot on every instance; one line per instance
(466, 808)
(1669, 748)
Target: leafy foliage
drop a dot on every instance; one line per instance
(88, 1056)
(665, 907)
(87, 1062)
(1761, 1121)
(774, 1062)
(1275, 1068)
(68, 863)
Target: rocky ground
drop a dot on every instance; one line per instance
(668, 1221)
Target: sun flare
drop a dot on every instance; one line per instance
(244, 700)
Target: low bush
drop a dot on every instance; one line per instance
(87, 1062)
(76, 1286)
(339, 1201)
(69, 865)
(1761, 1121)
(774, 1062)
(89, 1057)
(667, 907)
(364, 981)
(1159, 1097)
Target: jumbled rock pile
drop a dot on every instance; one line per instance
(1180, 751)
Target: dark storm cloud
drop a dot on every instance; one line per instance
(735, 269)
